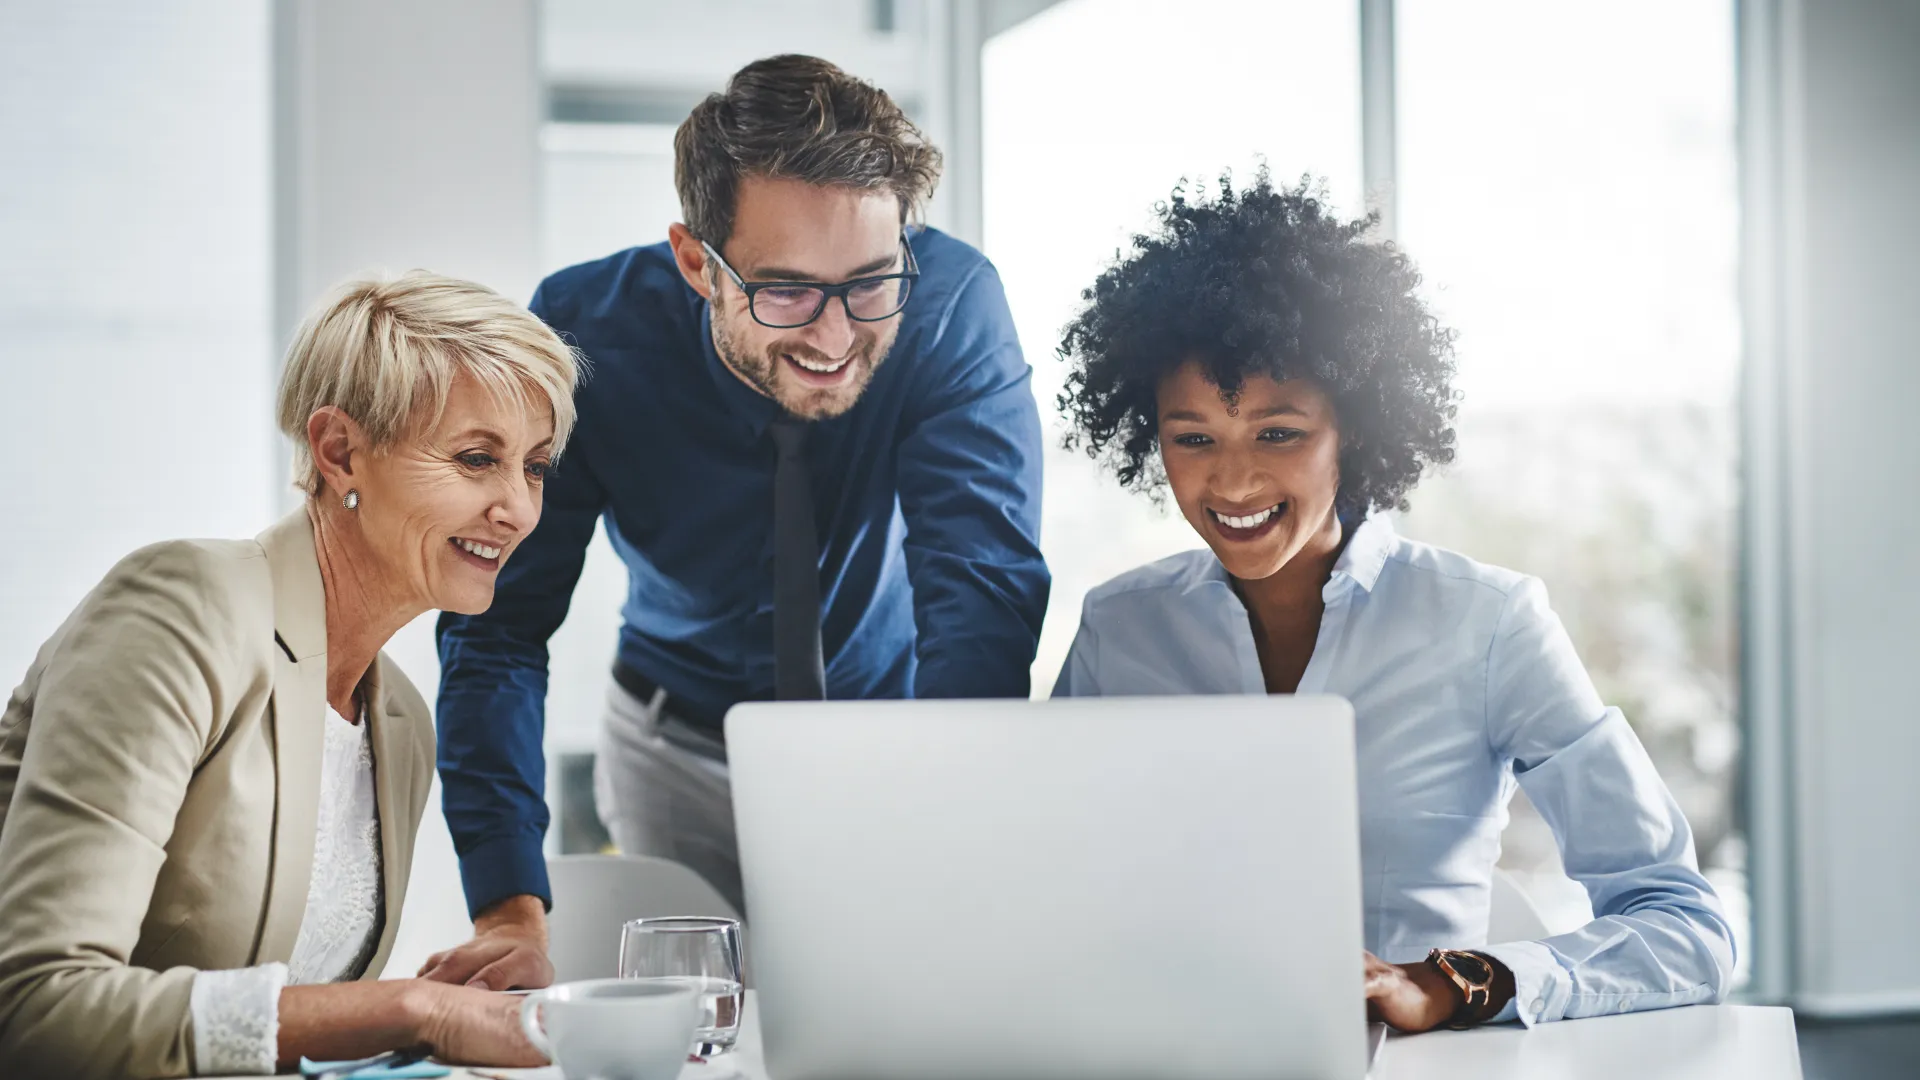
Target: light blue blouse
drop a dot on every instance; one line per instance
(1463, 683)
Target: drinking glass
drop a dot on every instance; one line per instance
(704, 952)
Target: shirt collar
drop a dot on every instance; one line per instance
(1365, 556)
(753, 409)
(1366, 552)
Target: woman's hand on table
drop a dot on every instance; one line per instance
(508, 950)
(462, 1025)
(457, 1024)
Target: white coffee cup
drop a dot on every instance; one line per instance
(613, 1029)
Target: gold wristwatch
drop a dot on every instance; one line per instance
(1473, 974)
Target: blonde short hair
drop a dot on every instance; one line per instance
(386, 351)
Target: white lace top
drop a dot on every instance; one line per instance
(236, 1014)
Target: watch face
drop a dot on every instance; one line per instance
(1474, 969)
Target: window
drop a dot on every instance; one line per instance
(1135, 100)
(1567, 184)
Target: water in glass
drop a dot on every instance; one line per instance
(702, 951)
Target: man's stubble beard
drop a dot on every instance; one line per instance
(760, 370)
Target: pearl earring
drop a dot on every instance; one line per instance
(352, 501)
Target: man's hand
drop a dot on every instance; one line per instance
(1410, 997)
(508, 950)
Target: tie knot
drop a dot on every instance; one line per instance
(789, 436)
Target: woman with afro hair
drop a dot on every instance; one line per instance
(1273, 369)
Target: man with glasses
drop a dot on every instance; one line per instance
(809, 430)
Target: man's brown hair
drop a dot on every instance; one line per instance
(796, 118)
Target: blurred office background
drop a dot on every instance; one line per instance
(1676, 237)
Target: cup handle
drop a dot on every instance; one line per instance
(530, 1025)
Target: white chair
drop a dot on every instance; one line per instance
(1512, 915)
(594, 895)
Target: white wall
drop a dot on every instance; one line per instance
(618, 42)
(136, 357)
(672, 55)
(1833, 169)
(414, 132)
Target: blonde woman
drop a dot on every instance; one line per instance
(211, 778)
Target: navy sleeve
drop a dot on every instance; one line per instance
(969, 482)
(493, 689)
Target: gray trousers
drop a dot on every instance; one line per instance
(661, 789)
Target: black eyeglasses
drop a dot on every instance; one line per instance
(784, 305)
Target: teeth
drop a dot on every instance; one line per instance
(1249, 522)
(824, 369)
(481, 550)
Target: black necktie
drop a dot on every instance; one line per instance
(798, 674)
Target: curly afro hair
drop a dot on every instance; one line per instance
(1264, 281)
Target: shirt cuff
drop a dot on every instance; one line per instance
(503, 867)
(236, 1020)
(1541, 987)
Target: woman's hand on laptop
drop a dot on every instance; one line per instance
(1409, 997)
(508, 950)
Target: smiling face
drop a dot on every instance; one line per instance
(1255, 478)
(787, 230)
(444, 509)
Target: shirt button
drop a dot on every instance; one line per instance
(1539, 1006)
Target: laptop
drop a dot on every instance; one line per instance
(1113, 888)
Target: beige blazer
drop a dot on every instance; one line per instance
(159, 785)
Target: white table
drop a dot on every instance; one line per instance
(1701, 1042)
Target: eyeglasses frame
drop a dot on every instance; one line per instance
(910, 274)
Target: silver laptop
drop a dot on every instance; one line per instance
(1115, 888)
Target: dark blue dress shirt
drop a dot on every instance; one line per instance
(927, 501)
